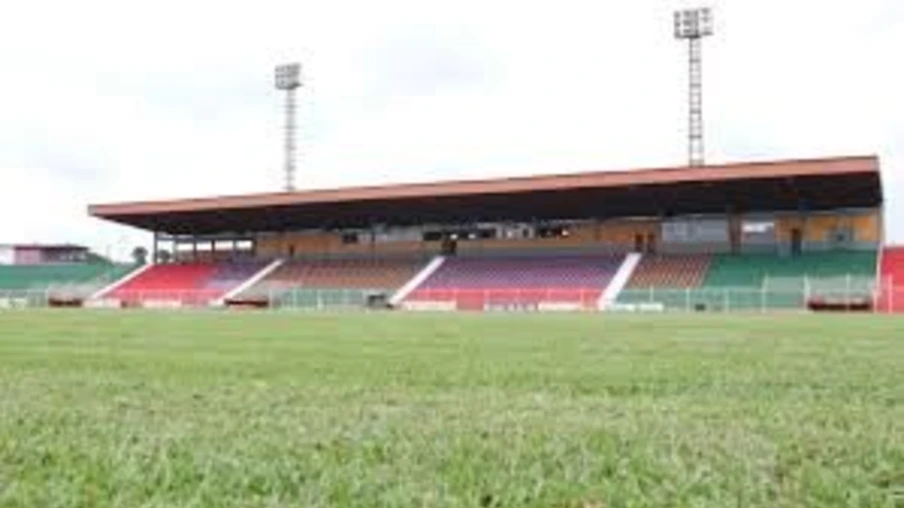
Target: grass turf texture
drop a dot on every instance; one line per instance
(169, 409)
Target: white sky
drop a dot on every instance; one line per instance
(108, 100)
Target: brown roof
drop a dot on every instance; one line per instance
(356, 197)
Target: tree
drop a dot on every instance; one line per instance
(140, 255)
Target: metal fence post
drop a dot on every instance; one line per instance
(806, 291)
(891, 297)
(847, 293)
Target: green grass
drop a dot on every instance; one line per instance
(168, 409)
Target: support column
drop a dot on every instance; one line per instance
(373, 241)
(805, 215)
(154, 248)
(735, 229)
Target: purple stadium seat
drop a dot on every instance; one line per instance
(476, 283)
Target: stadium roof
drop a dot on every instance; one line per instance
(815, 184)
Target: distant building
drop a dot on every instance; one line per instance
(37, 254)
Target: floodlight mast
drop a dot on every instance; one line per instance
(288, 79)
(693, 25)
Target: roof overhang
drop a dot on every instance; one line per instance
(815, 184)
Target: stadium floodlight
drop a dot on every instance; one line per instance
(693, 25)
(288, 79)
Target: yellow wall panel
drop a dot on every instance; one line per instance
(817, 228)
(867, 227)
(385, 247)
(624, 233)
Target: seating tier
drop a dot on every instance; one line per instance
(41, 277)
(670, 271)
(753, 270)
(756, 281)
(187, 283)
(372, 273)
(486, 282)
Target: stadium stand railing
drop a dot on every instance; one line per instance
(505, 299)
(754, 281)
(738, 299)
(570, 299)
(650, 299)
(326, 298)
(890, 299)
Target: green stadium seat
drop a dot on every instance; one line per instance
(44, 277)
(756, 281)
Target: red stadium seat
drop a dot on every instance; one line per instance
(184, 283)
(891, 280)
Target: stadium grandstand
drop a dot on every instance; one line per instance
(797, 234)
(62, 274)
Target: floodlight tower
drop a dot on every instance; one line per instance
(288, 79)
(693, 25)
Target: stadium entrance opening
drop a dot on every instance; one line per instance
(450, 246)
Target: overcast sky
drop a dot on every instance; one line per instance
(105, 101)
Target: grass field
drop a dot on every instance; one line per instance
(169, 409)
